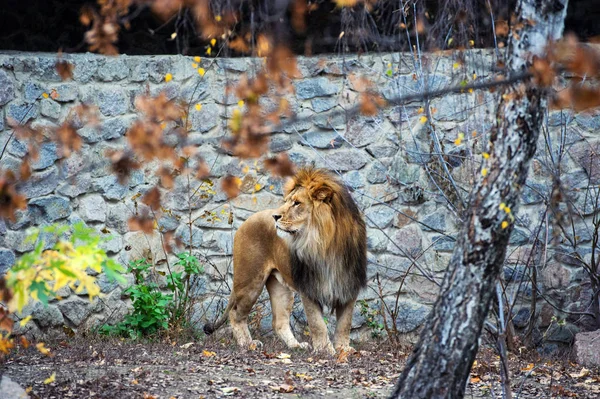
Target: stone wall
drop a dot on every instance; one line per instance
(409, 174)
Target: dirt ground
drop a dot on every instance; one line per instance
(119, 369)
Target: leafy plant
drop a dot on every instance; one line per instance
(153, 309)
(370, 316)
(40, 273)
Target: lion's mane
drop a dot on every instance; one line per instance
(329, 256)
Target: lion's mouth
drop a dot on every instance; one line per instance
(285, 230)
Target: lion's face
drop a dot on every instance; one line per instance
(294, 215)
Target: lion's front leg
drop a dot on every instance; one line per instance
(343, 326)
(317, 326)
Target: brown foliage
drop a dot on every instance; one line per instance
(143, 222)
(64, 69)
(281, 165)
(152, 198)
(231, 186)
(122, 164)
(68, 139)
(10, 199)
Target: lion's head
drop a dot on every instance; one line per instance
(326, 235)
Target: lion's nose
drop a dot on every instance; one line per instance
(276, 217)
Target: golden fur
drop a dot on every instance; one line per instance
(314, 244)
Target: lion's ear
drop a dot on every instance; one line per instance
(321, 193)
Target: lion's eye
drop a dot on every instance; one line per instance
(296, 203)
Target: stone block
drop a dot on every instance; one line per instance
(117, 217)
(376, 173)
(110, 187)
(183, 233)
(321, 104)
(65, 92)
(586, 349)
(47, 315)
(411, 315)
(321, 139)
(92, 208)
(205, 119)
(50, 108)
(7, 88)
(280, 143)
(75, 309)
(402, 171)
(76, 185)
(7, 260)
(363, 131)
(112, 101)
(51, 208)
(315, 87)
(379, 216)
(343, 160)
(435, 221)
(85, 67)
(22, 113)
(113, 69)
(32, 92)
(112, 245)
(48, 154)
(407, 241)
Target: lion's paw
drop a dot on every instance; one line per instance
(303, 345)
(345, 349)
(328, 348)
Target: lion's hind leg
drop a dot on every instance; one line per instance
(282, 301)
(246, 295)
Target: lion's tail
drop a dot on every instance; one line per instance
(210, 328)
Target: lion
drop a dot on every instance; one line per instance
(314, 244)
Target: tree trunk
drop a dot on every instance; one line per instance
(441, 361)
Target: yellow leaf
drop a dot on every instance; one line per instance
(420, 110)
(502, 206)
(471, 43)
(506, 209)
(423, 119)
(213, 42)
(475, 380)
(194, 65)
(530, 365)
(218, 19)
(459, 138)
(197, 59)
(504, 224)
(168, 77)
(484, 172)
(208, 353)
(241, 103)
(485, 155)
(173, 35)
(50, 379)
(456, 65)
(245, 169)
(284, 356)
(201, 71)
(209, 51)
(198, 107)
(24, 321)
(474, 76)
(134, 382)
(257, 187)
(45, 95)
